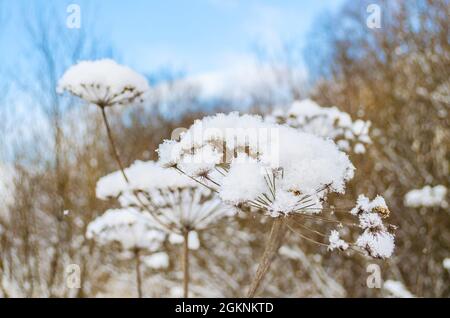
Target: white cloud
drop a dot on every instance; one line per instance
(240, 78)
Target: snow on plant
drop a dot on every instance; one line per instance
(251, 163)
(175, 203)
(255, 165)
(446, 263)
(103, 83)
(427, 197)
(327, 122)
(6, 190)
(132, 231)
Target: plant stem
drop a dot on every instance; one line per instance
(185, 261)
(276, 236)
(138, 273)
(112, 143)
(122, 170)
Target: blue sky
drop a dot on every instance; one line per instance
(210, 41)
(196, 36)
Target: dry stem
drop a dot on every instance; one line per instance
(112, 143)
(186, 264)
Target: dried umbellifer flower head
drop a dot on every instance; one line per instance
(272, 168)
(176, 202)
(328, 122)
(103, 83)
(376, 239)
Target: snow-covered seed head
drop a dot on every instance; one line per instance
(376, 239)
(128, 228)
(175, 202)
(103, 83)
(251, 162)
(428, 196)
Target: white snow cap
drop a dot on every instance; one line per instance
(336, 242)
(127, 227)
(175, 200)
(103, 82)
(446, 263)
(6, 178)
(326, 122)
(250, 161)
(428, 196)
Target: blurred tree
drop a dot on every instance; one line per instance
(397, 76)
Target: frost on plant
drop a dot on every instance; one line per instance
(134, 232)
(259, 166)
(326, 122)
(103, 83)
(375, 240)
(428, 196)
(175, 203)
(128, 228)
(397, 289)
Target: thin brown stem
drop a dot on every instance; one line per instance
(276, 236)
(185, 264)
(112, 143)
(119, 162)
